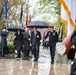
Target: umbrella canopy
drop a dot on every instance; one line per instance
(38, 24)
(14, 28)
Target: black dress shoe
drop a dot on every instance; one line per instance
(18, 59)
(35, 60)
(52, 62)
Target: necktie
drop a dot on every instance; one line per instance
(35, 34)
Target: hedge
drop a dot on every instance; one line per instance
(10, 47)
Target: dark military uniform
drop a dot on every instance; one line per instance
(53, 38)
(73, 38)
(73, 68)
(71, 54)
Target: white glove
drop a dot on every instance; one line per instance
(60, 49)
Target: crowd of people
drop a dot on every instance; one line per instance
(30, 42)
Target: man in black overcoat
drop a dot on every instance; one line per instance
(4, 34)
(26, 42)
(35, 42)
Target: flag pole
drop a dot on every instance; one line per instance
(21, 14)
(6, 12)
(26, 18)
(6, 23)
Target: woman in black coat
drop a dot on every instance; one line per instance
(18, 42)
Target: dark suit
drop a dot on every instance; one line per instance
(53, 38)
(26, 44)
(35, 41)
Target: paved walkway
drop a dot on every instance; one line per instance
(29, 67)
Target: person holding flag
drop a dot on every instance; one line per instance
(68, 17)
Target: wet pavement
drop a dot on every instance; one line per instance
(29, 67)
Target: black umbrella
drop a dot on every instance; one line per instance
(14, 28)
(38, 24)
